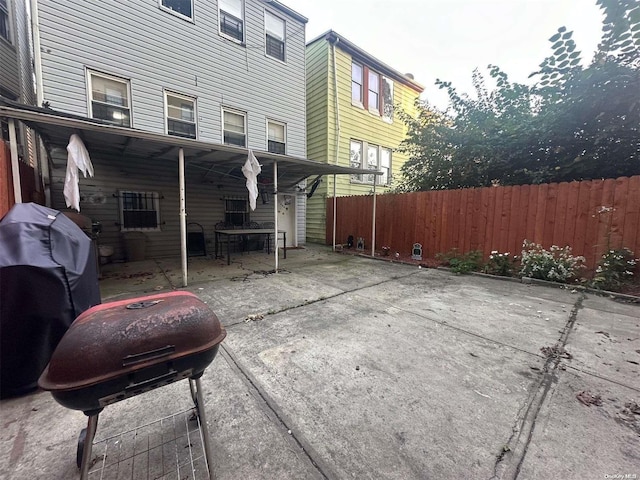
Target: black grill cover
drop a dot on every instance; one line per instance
(48, 276)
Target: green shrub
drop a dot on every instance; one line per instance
(501, 264)
(556, 264)
(461, 263)
(615, 270)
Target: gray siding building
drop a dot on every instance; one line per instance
(226, 71)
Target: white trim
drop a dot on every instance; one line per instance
(276, 122)
(88, 74)
(191, 19)
(284, 40)
(246, 122)
(189, 98)
(244, 25)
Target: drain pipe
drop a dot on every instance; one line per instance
(335, 97)
(337, 148)
(37, 53)
(183, 218)
(43, 157)
(15, 164)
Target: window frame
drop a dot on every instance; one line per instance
(284, 126)
(376, 109)
(365, 178)
(155, 196)
(242, 20)
(171, 93)
(284, 39)
(231, 216)
(245, 116)
(385, 178)
(6, 10)
(354, 177)
(90, 73)
(176, 13)
(387, 110)
(360, 102)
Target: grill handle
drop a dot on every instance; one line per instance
(146, 385)
(150, 355)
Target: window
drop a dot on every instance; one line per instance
(385, 166)
(356, 83)
(139, 211)
(183, 8)
(355, 154)
(234, 128)
(275, 36)
(236, 211)
(232, 19)
(4, 20)
(109, 99)
(372, 162)
(181, 116)
(276, 137)
(373, 97)
(378, 158)
(387, 100)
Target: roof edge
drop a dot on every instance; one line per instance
(341, 42)
(289, 11)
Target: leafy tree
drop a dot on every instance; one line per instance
(574, 123)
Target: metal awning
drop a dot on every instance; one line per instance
(286, 171)
(55, 128)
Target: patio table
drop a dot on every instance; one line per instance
(247, 231)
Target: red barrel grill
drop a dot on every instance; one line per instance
(121, 349)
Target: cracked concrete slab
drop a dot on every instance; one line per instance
(366, 369)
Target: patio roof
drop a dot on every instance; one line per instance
(213, 159)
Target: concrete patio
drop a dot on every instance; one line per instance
(364, 369)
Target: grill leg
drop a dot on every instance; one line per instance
(199, 401)
(92, 425)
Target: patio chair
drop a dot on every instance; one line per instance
(267, 244)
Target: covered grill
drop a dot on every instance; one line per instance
(130, 347)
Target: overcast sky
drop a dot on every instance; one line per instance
(447, 39)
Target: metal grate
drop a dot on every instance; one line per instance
(169, 448)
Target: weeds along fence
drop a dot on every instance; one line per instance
(589, 216)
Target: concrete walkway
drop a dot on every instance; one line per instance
(363, 369)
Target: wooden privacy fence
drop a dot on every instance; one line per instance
(27, 182)
(589, 216)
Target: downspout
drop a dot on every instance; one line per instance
(37, 67)
(37, 57)
(15, 164)
(337, 108)
(183, 218)
(335, 97)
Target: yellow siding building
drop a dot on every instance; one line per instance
(351, 99)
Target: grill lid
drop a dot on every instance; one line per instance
(118, 338)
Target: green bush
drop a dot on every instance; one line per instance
(461, 263)
(615, 270)
(501, 264)
(556, 264)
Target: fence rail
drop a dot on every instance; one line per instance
(589, 216)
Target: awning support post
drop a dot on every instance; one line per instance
(275, 213)
(15, 165)
(373, 218)
(335, 216)
(183, 218)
